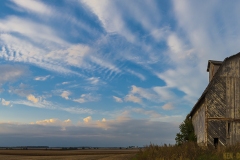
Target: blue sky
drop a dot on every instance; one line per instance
(106, 72)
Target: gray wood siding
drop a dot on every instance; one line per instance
(216, 98)
(198, 121)
(216, 110)
(216, 129)
(233, 99)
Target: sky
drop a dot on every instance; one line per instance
(107, 72)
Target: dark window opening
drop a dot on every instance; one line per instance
(215, 142)
(228, 128)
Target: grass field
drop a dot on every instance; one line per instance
(188, 151)
(100, 154)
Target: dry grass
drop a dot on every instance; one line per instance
(188, 151)
(68, 155)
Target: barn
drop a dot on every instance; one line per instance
(216, 114)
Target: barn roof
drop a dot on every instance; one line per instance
(196, 106)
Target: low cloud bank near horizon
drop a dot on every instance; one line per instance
(125, 133)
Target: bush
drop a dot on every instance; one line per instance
(186, 132)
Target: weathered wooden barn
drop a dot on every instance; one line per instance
(216, 115)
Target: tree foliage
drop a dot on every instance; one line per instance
(186, 132)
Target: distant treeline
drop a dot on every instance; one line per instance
(25, 147)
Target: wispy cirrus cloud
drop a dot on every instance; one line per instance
(155, 94)
(78, 110)
(133, 98)
(117, 99)
(142, 77)
(94, 80)
(195, 42)
(33, 30)
(87, 98)
(33, 6)
(168, 106)
(42, 78)
(53, 106)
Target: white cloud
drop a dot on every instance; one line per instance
(33, 6)
(47, 121)
(132, 98)
(87, 119)
(73, 55)
(94, 80)
(168, 106)
(137, 93)
(64, 83)
(32, 98)
(40, 104)
(164, 93)
(142, 77)
(43, 78)
(54, 106)
(155, 94)
(199, 38)
(151, 113)
(117, 99)
(87, 98)
(5, 103)
(110, 17)
(77, 110)
(105, 64)
(32, 49)
(66, 94)
(35, 31)
(54, 122)
(145, 93)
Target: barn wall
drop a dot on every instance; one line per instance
(233, 100)
(198, 121)
(218, 116)
(216, 110)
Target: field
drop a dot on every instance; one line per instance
(90, 154)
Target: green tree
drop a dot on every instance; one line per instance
(186, 132)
